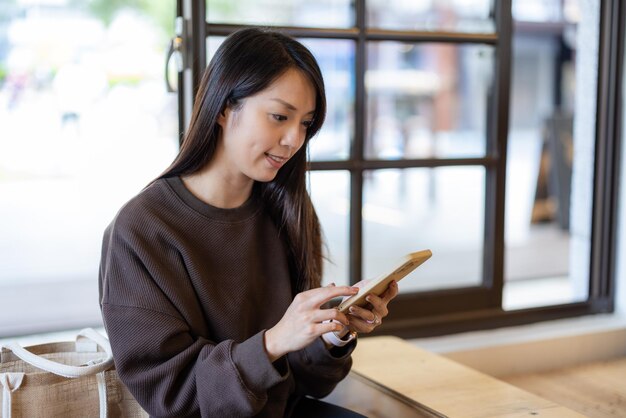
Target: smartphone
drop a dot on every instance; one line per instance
(377, 286)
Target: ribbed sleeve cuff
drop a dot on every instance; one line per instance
(318, 353)
(254, 366)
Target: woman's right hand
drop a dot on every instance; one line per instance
(303, 321)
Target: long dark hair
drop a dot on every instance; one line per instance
(247, 62)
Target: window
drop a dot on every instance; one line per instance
(440, 116)
(550, 171)
(85, 122)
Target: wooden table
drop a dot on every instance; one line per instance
(393, 378)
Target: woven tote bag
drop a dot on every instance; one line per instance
(64, 379)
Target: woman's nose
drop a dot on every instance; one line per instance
(294, 137)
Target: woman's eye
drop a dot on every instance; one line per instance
(307, 123)
(279, 118)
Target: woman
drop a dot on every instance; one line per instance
(210, 277)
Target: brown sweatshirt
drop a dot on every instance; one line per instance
(187, 292)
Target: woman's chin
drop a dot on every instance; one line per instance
(265, 177)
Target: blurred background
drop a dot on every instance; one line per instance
(86, 122)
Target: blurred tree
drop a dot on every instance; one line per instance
(225, 7)
(161, 12)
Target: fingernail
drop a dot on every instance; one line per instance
(368, 298)
(352, 310)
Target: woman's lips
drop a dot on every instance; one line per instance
(275, 161)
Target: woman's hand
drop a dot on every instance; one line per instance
(303, 321)
(366, 319)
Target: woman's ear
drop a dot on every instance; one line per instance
(227, 113)
(223, 117)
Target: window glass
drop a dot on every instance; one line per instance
(441, 209)
(330, 192)
(319, 13)
(85, 123)
(473, 16)
(546, 10)
(336, 59)
(550, 154)
(427, 100)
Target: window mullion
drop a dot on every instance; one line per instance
(357, 149)
(498, 118)
(608, 152)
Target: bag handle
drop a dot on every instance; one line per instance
(64, 369)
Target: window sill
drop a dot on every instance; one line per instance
(536, 347)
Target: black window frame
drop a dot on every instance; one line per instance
(469, 308)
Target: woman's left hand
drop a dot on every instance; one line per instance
(366, 319)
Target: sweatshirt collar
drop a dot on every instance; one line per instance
(245, 211)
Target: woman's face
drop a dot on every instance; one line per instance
(260, 136)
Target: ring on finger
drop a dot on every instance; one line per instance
(374, 321)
